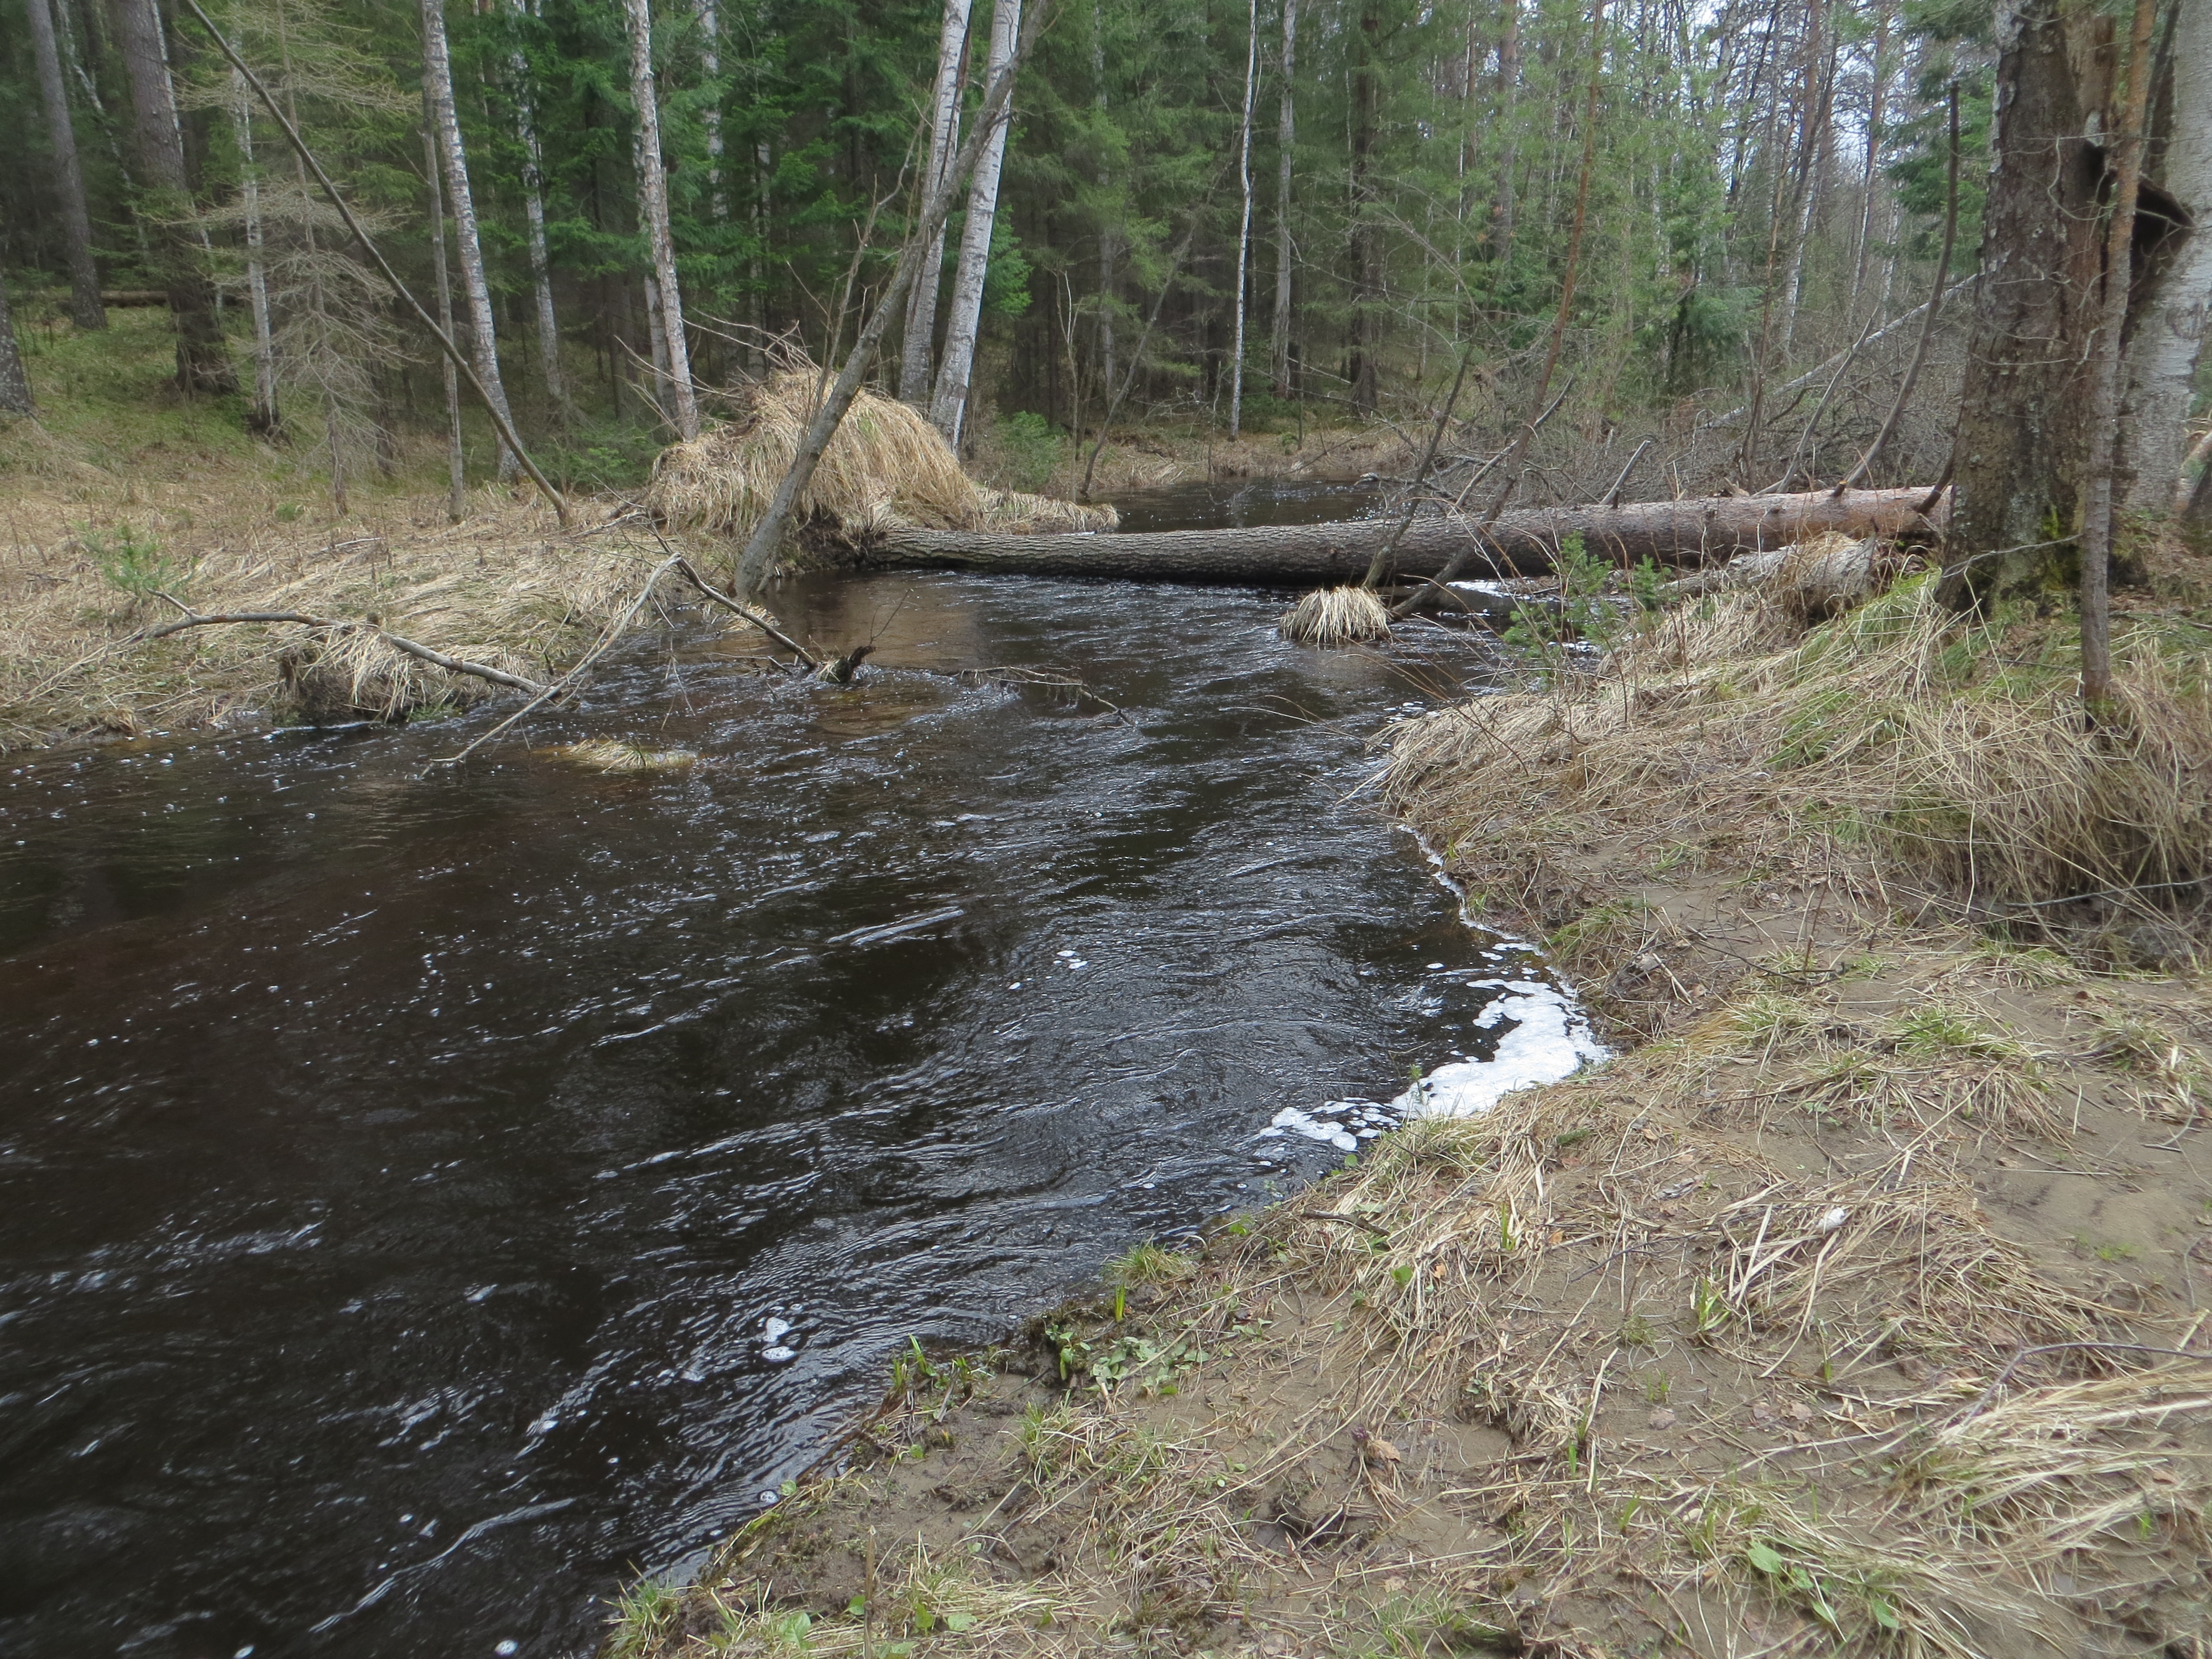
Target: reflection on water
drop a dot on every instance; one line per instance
(425, 1195)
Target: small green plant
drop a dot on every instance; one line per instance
(1032, 445)
(1708, 1310)
(642, 1614)
(131, 561)
(1636, 1332)
(290, 511)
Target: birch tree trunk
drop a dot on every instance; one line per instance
(262, 417)
(948, 409)
(85, 309)
(202, 361)
(1245, 223)
(919, 332)
(456, 462)
(652, 206)
(15, 385)
(483, 340)
(533, 213)
(1286, 133)
(710, 118)
(2166, 336)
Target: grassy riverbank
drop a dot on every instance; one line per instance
(1860, 1305)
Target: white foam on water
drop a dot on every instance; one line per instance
(1552, 1040)
(1292, 1120)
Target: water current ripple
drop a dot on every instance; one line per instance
(426, 1197)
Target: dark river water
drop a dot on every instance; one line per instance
(428, 1196)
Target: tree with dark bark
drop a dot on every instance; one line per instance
(2049, 286)
(165, 200)
(85, 308)
(15, 385)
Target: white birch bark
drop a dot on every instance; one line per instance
(710, 60)
(920, 330)
(1244, 224)
(533, 214)
(1287, 132)
(456, 460)
(656, 332)
(483, 338)
(682, 405)
(2166, 332)
(948, 409)
(263, 416)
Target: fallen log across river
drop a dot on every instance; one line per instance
(1684, 533)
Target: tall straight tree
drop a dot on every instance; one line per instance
(1287, 132)
(261, 416)
(944, 139)
(483, 338)
(15, 385)
(1245, 222)
(203, 363)
(85, 308)
(533, 214)
(948, 409)
(652, 208)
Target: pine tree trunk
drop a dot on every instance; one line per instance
(483, 338)
(920, 330)
(456, 462)
(1245, 223)
(652, 206)
(203, 363)
(2174, 279)
(85, 309)
(15, 385)
(1287, 132)
(1106, 230)
(263, 416)
(948, 409)
(533, 213)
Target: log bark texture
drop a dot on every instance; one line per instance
(1692, 532)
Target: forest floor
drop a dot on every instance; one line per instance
(124, 491)
(1859, 1306)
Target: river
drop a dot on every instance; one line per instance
(429, 1195)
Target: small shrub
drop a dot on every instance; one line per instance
(131, 561)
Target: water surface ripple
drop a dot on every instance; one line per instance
(426, 1195)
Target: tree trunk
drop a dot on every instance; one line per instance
(483, 340)
(1106, 230)
(15, 385)
(921, 331)
(2021, 445)
(1366, 241)
(652, 206)
(1244, 224)
(2173, 255)
(710, 118)
(1287, 132)
(948, 409)
(456, 461)
(1693, 532)
(263, 415)
(85, 309)
(203, 363)
(1870, 181)
(533, 213)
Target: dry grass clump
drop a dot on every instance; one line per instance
(885, 464)
(1336, 615)
(1956, 748)
(508, 588)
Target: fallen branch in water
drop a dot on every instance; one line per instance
(1043, 678)
(685, 569)
(336, 625)
(613, 631)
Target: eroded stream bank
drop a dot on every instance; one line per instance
(428, 1198)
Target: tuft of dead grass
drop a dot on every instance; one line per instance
(1336, 615)
(887, 464)
(1900, 745)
